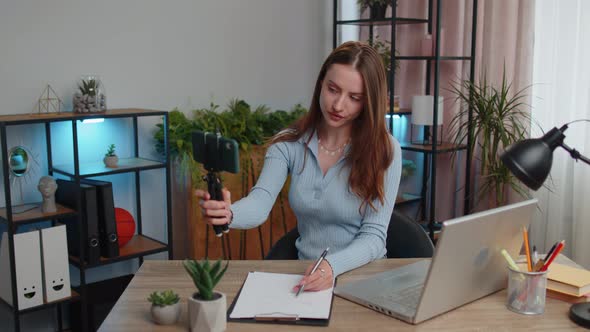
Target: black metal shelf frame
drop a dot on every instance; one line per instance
(429, 172)
(155, 165)
(77, 176)
(385, 21)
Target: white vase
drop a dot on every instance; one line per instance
(207, 316)
(165, 315)
(111, 161)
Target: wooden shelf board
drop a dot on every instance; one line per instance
(98, 167)
(401, 111)
(36, 214)
(407, 198)
(443, 147)
(63, 116)
(138, 246)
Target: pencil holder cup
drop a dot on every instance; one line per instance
(526, 292)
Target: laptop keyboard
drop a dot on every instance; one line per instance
(407, 297)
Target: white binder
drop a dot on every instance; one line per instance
(27, 254)
(56, 271)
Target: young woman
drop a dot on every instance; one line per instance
(345, 169)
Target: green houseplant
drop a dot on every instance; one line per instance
(238, 121)
(384, 50)
(206, 308)
(377, 7)
(165, 308)
(110, 158)
(250, 127)
(499, 119)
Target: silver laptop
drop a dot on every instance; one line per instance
(467, 265)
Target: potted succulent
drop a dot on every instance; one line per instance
(165, 307)
(91, 97)
(206, 308)
(377, 7)
(110, 158)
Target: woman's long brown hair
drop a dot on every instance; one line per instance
(370, 151)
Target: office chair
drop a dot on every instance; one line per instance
(285, 248)
(405, 239)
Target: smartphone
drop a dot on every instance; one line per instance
(215, 152)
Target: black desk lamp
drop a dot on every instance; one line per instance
(530, 161)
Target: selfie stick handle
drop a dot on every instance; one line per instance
(214, 188)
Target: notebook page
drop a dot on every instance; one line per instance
(270, 294)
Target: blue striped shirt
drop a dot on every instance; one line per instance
(327, 211)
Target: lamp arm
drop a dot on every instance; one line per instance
(575, 153)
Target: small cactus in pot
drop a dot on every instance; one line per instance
(110, 158)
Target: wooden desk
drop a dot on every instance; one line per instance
(131, 313)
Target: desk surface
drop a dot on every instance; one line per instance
(132, 311)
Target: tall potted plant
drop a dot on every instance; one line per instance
(206, 308)
(499, 119)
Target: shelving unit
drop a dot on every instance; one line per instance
(428, 191)
(139, 246)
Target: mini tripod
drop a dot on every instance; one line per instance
(214, 188)
(217, 154)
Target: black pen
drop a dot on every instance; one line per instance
(550, 251)
(315, 267)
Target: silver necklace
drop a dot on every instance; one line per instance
(332, 152)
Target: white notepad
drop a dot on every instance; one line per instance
(271, 295)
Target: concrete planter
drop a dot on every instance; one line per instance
(111, 161)
(207, 316)
(165, 315)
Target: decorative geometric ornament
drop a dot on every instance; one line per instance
(23, 166)
(49, 102)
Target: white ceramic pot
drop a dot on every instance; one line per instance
(111, 162)
(207, 316)
(165, 315)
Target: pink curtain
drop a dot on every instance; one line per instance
(504, 38)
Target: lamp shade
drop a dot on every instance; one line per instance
(423, 110)
(530, 160)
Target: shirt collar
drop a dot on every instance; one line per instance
(312, 137)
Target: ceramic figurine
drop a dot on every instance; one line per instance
(47, 186)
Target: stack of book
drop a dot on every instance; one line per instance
(568, 283)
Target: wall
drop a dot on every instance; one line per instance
(158, 55)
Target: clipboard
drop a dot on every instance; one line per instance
(278, 317)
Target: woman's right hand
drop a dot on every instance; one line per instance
(215, 212)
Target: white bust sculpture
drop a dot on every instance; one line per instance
(47, 186)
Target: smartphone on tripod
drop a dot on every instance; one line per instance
(217, 154)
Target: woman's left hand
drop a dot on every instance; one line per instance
(321, 279)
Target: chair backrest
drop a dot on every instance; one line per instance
(406, 238)
(285, 247)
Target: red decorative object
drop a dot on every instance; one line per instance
(125, 226)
